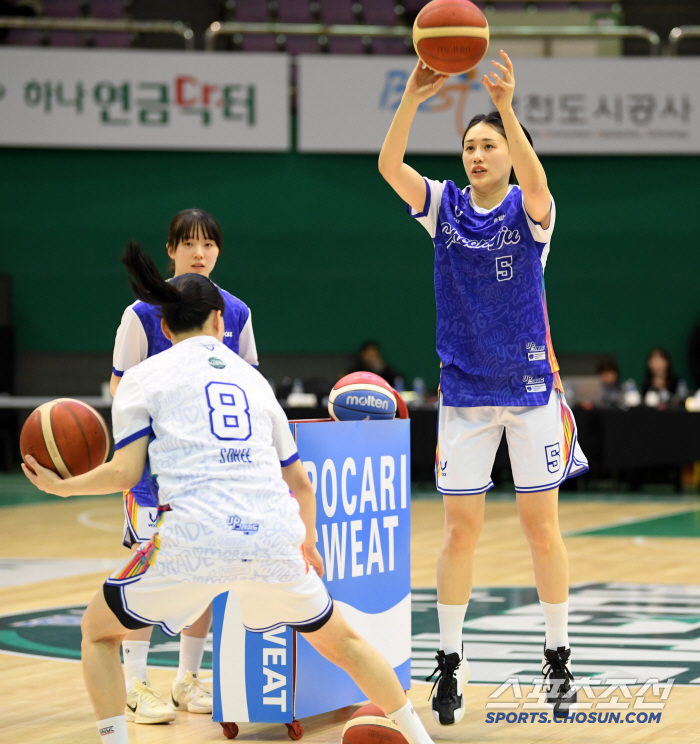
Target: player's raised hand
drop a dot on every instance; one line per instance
(501, 88)
(43, 478)
(423, 83)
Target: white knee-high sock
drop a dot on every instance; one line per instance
(135, 661)
(556, 620)
(410, 725)
(191, 653)
(113, 730)
(451, 618)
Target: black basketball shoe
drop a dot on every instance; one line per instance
(448, 701)
(559, 685)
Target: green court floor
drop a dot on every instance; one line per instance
(685, 524)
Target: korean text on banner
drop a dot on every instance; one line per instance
(156, 100)
(570, 106)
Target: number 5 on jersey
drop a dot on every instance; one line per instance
(228, 411)
(504, 268)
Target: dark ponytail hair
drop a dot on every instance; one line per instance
(185, 302)
(190, 223)
(494, 120)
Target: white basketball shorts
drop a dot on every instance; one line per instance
(542, 445)
(140, 595)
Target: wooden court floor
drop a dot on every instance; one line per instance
(44, 700)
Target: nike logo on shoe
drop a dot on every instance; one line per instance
(133, 710)
(175, 702)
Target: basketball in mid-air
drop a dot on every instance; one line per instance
(369, 725)
(451, 36)
(66, 436)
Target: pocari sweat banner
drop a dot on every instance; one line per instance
(360, 472)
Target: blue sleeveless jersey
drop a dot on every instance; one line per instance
(493, 335)
(141, 327)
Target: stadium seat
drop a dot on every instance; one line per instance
(66, 38)
(380, 12)
(252, 11)
(24, 37)
(337, 11)
(294, 11)
(390, 46)
(107, 9)
(259, 43)
(112, 39)
(345, 45)
(62, 9)
(302, 45)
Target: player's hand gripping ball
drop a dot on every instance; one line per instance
(451, 36)
(364, 395)
(66, 436)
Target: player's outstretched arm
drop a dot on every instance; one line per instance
(121, 473)
(406, 181)
(531, 176)
(296, 478)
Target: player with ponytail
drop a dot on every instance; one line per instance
(273, 566)
(193, 246)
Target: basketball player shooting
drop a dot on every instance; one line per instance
(498, 369)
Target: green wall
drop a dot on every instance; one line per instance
(323, 252)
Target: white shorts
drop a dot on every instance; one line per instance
(140, 522)
(140, 595)
(542, 445)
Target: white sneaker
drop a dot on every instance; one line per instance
(143, 705)
(190, 694)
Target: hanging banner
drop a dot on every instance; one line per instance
(570, 106)
(88, 98)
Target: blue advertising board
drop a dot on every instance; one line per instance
(360, 471)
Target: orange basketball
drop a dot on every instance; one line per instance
(66, 436)
(369, 725)
(451, 36)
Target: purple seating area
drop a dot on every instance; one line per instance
(391, 46)
(62, 8)
(294, 11)
(24, 37)
(380, 12)
(337, 11)
(302, 45)
(113, 9)
(252, 11)
(259, 43)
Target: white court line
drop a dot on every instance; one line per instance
(581, 531)
(85, 519)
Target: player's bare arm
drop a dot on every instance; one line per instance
(531, 176)
(121, 473)
(296, 478)
(406, 181)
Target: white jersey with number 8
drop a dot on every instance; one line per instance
(218, 441)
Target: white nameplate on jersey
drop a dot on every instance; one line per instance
(535, 356)
(539, 388)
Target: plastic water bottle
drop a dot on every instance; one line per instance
(399, 384)
(419, 389)
(632, 396)
(298, 386)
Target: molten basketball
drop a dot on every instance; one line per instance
(451, 36)
(369, 725)
(66, 436)
(362, 395)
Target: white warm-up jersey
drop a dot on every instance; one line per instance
(218, 441)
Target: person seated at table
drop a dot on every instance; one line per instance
(611, 393)
(370, 359)
(661, 384)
